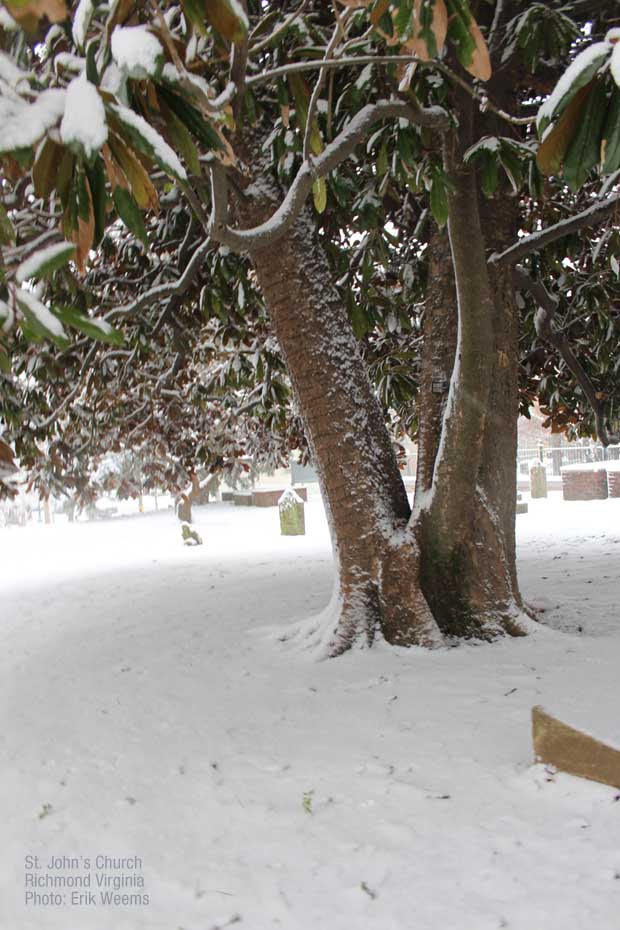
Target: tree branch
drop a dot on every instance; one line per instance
(314, 99)
(265, 43)
(536, 241)
(252, 240)
(163, 291)
(545, 329)
(486, 105)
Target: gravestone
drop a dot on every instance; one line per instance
(538, 480)
(572, 751)
(292, 518)
(190, 536)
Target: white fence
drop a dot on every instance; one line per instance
(553, 458)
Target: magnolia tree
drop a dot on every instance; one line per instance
(257, 119)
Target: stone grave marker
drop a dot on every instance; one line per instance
(538, 480)
(573, 751)
(292, 518)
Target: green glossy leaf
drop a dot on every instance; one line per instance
(130, 213)
(7, 233)
(610, 141)
(44, 262)
(583, 153)
(96, 329)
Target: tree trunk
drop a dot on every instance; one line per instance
(467, 522)
(362, 488)
(385, 582)
(377, 590)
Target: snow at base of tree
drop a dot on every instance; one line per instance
(84, 121)
(148, 709)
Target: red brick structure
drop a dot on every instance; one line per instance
(270, 497)
(584, 484)
(613, 482)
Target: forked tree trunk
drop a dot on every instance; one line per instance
(384, 583)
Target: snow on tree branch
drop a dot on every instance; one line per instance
(536, 241)
(250, 240)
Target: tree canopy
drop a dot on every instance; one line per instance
(128, 318)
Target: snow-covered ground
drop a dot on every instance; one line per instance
(149, 711)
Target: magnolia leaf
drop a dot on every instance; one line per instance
(228, 17)
(90, 326)
(579, 74)
(301, 94)
(96, 178)
(7, 233)
(610, 140)
(114, 172)
(45, 168)
(142, 187)
(44, 262)
(194, 12)
(383, 20)
(319, 194)
(28, 12)
(85, 233)
(205, 132)
(40, 322)
(6, 453)
(129, 212)
(143, 137)
(480, 65)
(180, 137)
(488, 176)
(583, 153)
(439, 200)
(430, 29)
(64, 176)
(553, 148)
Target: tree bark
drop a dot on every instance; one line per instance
(376, 554)
(449, 567)
(362, 488)
(467, 512)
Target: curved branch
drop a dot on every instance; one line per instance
(484, 102)
(163, 291)
(545, 329)
(536, 241)
(316, 93)
(252, 240)
(279, 31)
